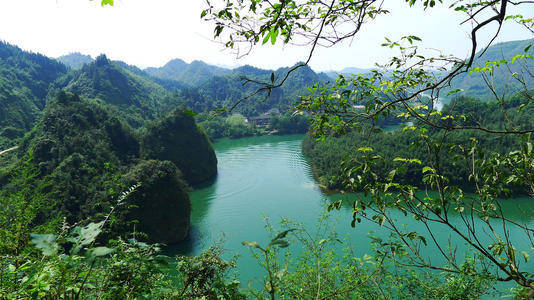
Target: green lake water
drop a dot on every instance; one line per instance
(269, 177)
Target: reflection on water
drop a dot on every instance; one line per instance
(269, 177)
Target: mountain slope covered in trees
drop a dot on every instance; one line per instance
(169, 138)
(327, 156)
(136, 99)
(225, 91)
(84, 156)
(502, 79)
(474, 85)
(24, 81)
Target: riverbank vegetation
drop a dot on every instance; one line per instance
(328, 155)
(237, 125)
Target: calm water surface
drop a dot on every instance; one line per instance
(269, 178)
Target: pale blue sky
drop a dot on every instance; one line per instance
(151, 32)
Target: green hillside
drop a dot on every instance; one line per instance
(84, 156)
(72, 145)
(206, 87)
(136, 99)
(326, 156)
(474, 85)
(224, 91)
(24, 80)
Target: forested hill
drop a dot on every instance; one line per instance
(136, 99)
(224, 91)
(326, 157)
(24, 81)
(83, 155)
(136, 96)
(474, 85)
(204, 87)
(75, 60)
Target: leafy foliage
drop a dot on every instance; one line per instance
(72, 146)
(316, 264)
(409, 85)
(502, 77)
(71, 264)
(396, 148)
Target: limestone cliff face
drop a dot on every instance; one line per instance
(162, 201)
(177, 138)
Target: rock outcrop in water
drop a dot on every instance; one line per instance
(177, 138)
(161, 202)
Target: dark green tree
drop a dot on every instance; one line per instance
(177, 138)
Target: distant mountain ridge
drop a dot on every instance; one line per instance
(195, 73)
(346, 72)
(75, 60)
(28, 79)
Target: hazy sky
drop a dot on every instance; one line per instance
(151, 32)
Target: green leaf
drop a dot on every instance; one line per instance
(266, 38)
(89, 233)
(46, 243)
(252, 244)
(454, 92)
(391, 175)
(82, 236)
(274, 35)
(100, 251)
(107, 2)
(422, 238)
(190, 113)
(283, 234)
(279, 243)
(526, 256)
(428, 169)
(218, 30)
(365, 149)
